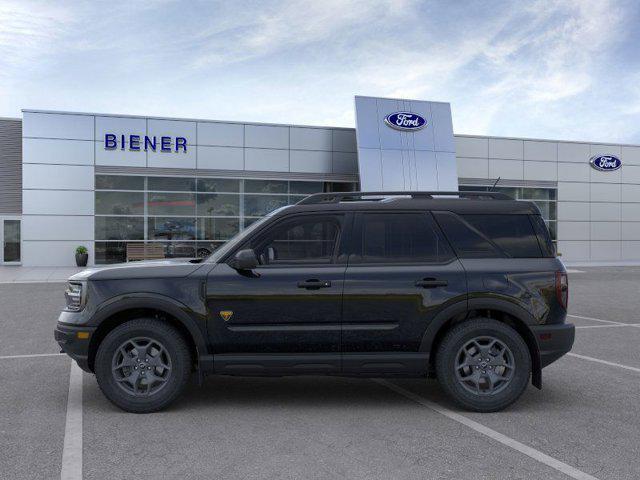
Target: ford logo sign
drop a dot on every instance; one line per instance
(605, 163)
(405, 121)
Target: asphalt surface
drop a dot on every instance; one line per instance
(587, 415)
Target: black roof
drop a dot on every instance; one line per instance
(457, 202)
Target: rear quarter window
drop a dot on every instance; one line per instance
(466, 241)
(490, 236)
(514, 234)
(544, 238)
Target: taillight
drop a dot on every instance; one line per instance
(562, 289)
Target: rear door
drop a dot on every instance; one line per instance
(401, 273)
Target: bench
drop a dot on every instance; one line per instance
(140, 251)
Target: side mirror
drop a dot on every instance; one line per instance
(244, 260)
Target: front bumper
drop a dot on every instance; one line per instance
(74, 345)
(554, 341)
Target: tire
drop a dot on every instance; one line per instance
(160, 375)
(491, 392)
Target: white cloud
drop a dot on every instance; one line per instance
(520, 68)
(28, 30)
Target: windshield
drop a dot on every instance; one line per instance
(240, 237)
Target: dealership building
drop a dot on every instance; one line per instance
(130, 186)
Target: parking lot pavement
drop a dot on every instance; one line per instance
(292, 428)
(28, 313)
(33, 399)
(610, 293)
(586, 417)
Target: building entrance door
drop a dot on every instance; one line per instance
(10, 240)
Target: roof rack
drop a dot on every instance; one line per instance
(336, 197)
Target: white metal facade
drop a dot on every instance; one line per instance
(598, 212)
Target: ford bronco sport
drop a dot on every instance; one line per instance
(463, 286)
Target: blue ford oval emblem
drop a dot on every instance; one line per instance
(405, 121)
(605, 163)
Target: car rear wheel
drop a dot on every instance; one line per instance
(143, 365)
(484, 365)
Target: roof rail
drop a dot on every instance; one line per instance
(336, 197)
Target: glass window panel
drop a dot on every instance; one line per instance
(547, 209)
(402, 237)
(175, 184)
(340, 187)
(171, 228)
(177, 249)
(472, 188)
(259, 205)
(306, 188)
(218, 185)
(204, 249)
(119, 203)
(308, 239)
(110, 252)
(293, 199)
(544, 209)
(552, 229)
(119, 228)
(210, 204)
(545, 235)
(265, 186)
(215, 228)
(538, 194)
(171, 204)
(513, 192)
(119, 182)
(467, 242)
(11, 247)
(514, 234)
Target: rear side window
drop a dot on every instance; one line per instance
(466, 240)
(514, 234)
(400, 238)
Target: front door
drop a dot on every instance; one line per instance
(10, 238)
(401, 273)
(285, 315)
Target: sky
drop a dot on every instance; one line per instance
(540, 69)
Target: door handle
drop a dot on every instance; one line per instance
(431, 283)
(314, 284)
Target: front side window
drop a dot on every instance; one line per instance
(401, 238)
(304, 240)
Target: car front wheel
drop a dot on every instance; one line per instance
(143, 365)
(483, 364)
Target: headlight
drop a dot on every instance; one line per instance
(75, 294)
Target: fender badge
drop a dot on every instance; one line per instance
(226, 315)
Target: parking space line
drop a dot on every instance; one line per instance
(72, 449)
(33, 355)
(610, 326)
(497, 436)
(604, 362)
(596, 319)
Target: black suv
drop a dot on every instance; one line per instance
(464, 286)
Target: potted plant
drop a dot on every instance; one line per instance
(82, 255)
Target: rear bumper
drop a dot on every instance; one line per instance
(77, 348)
(554, 341)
